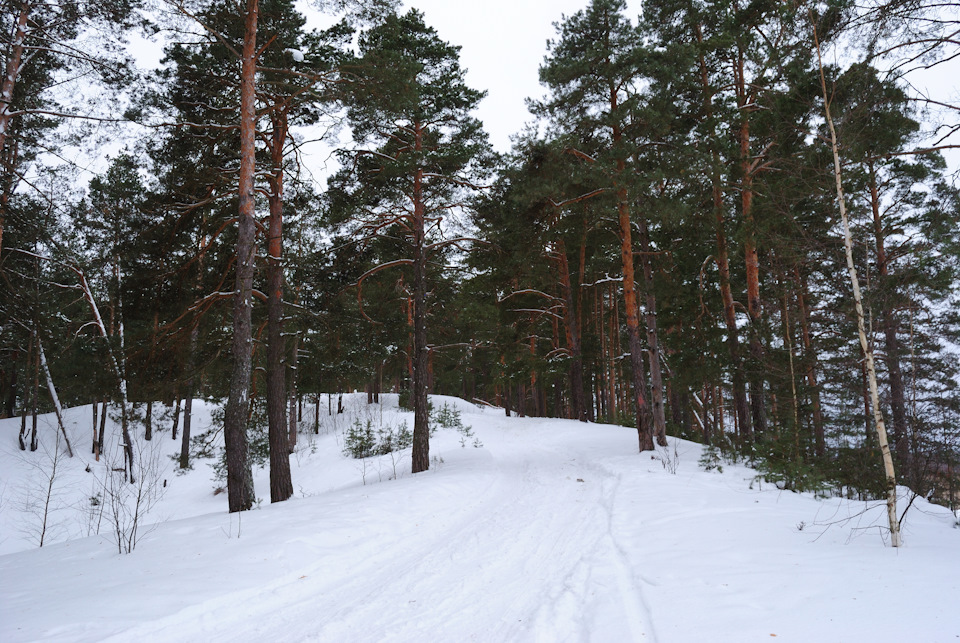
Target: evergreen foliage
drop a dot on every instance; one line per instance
(660, 249)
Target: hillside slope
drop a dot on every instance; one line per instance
(530, 530)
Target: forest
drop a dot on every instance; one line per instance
(730, 221)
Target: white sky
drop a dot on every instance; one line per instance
(503, 44)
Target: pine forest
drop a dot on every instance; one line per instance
(735, 222)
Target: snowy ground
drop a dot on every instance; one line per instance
(547, 530)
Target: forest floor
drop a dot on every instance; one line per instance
(527, 530)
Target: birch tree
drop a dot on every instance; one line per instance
(865, 346)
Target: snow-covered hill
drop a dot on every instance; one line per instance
(529, 530)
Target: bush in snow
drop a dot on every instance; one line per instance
(363, 441)
(449, 417)
(258, 438)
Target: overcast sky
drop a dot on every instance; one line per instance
(503, 44)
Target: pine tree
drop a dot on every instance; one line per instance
(417, 155)
(593, 72)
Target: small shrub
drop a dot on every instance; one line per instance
(449, 417)
(711, 459)
(776, 463)
(362, 441)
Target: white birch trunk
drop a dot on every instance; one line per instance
(53, 395)
(121, 379)
(858, 303)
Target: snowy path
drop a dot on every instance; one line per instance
(553, 531)
(527, 567)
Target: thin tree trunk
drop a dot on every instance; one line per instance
(653, 341)
(857, 300)
(811, 370)
(751, 256)
(188, 402)
(148, 422)
(14, 66)
(25, 405)
(103, 427)
(295, 411)
(577, 405)
(93, 448)
(176, 416)
(740, 404)
(53, 395)
(788, 340)
(240, 493)
(898, 405)
(117, 371)
(10, 400)
(35, 393)
(421, 431)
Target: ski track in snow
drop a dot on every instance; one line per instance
(498, 541)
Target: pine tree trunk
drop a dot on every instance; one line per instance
(281, 484)
(295, 410)
(811, 370)
(740, 404)
(240, 493)
(644, 428)
(35, 393)
(891, 342)
(577, 405)
(93, 448)
(148, 422)
(653, 341)
(176, 416)
(858, 305)
(188, 402)
(421, 430)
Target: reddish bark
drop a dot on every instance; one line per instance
(240, 494)
(723, 266)
(281, 485)
(7, 86)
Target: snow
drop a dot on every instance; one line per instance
(296, 54)
(549, 530)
